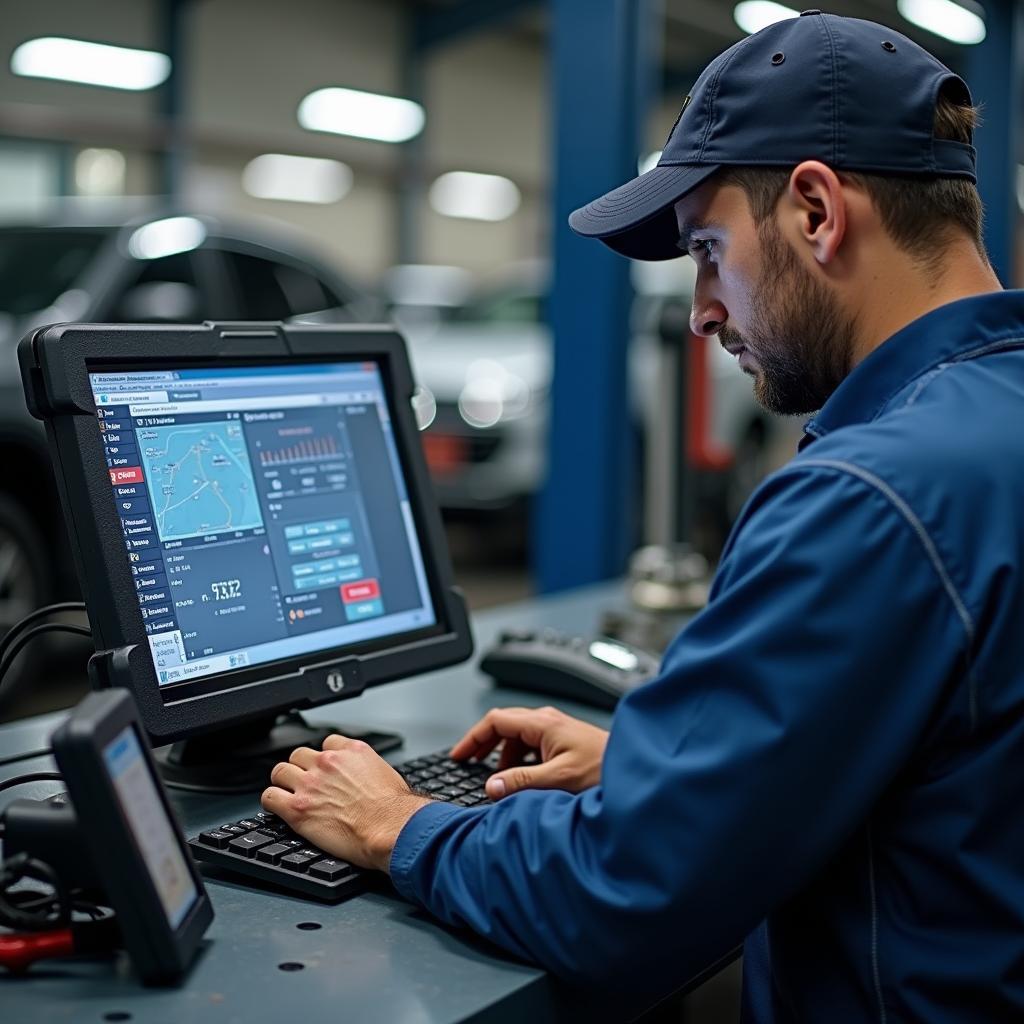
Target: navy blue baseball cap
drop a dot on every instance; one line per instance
(855, 95)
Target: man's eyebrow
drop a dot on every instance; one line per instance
(686, 234)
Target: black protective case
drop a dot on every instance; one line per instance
(159, 953)
(55, 363)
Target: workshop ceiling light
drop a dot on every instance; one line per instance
(754, 15)
(957, 22)
(474, 196)
(76, 60)
(365, 115)
(166, 237)
(296, 179)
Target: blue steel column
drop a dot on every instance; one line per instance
(994, 75)
(583, 526)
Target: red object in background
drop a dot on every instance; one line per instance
(363, 590)
(127, 475)
(701, 450)
(445, 453)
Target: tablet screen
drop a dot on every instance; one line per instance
(264, 511)
(154, 834)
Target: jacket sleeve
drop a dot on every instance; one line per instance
(782, 711)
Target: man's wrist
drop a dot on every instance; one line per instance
(394, 817)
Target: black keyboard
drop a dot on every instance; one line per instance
(264, 847)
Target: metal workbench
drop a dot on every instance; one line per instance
(375, 957)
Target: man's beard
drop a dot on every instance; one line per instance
(802, 342)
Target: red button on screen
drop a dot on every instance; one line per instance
(364, 590)
(128, 475)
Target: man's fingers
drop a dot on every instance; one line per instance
(275, 800)
(304, 757)
(337, 742)
(527, 724)
(286, 775)
(512, 753)
(538, 776)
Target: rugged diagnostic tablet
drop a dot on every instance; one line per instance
(134, 841)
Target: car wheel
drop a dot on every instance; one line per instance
(24, 565)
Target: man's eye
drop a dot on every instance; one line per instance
(704, 248)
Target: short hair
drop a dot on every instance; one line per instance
(919, 213)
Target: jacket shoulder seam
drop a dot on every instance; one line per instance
(917, 526)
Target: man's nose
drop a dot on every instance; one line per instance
(707, 318)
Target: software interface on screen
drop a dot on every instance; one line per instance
(148, 821)
(264, 513)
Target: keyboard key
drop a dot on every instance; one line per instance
(235, 830)
(450, 792)
(277, 830)
(331, 869)
(273, 853)
(431, 786)
(299, 860)
(218, 838)
(250, 823)
(248, 843)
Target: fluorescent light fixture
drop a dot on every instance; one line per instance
(166, 237)
(649, 162)
(474, 196)
(75, 60)
(296, 179)
(955, 22)
(366, 115)
(754, 15)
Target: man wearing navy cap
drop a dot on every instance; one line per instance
(831, 764)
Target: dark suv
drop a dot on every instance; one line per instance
(167, 267)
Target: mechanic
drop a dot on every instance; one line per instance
(830, 763)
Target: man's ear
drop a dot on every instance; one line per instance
(816, 201)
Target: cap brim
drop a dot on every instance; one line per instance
(637, 219)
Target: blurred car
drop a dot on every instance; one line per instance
(158, 268)
(484, 369)
(483, 366)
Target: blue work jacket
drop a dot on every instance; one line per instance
(832, 759)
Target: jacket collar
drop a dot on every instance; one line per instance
(951, 332)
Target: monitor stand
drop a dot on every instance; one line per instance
(238, 759)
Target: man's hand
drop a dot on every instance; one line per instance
(570, 751)
(345, 799)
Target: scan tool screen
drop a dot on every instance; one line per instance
(264, 512)
(153, 832)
